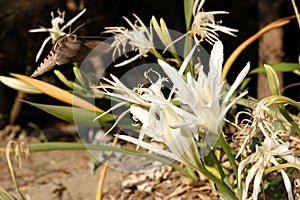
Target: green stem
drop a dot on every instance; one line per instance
(5, 195)
(51, 146)
(213, 158)
(284, 112)
(279, 179)
(157, 54)
(227, 151)
(222, 187)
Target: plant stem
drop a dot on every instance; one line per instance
(212, 157)
(227, 151)
(51, 146)
(157, 54)
(222, 187)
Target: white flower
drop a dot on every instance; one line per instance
(139, 38)
(159, 118)
(178, 127)
(55, 32)
(262, 120)
(179, 139)
(204, 26)
(265, 154)
(205, 96)
(144, 104)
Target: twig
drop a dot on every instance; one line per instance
(104, 169)
(237, 51)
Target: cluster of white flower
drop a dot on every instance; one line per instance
(140, 37)
(270, 150)
(191, 130)
(205, 103)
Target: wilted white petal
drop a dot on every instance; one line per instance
(287, 184)
(291, 159)
(266, 153)
(139, 38)
(243, 164)
(256, 183)
(204, 26)
(253, 171)
(286, 180)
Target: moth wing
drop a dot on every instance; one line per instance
(67, 51)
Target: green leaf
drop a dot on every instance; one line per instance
(278, 67)
(57, 93)
(275, 89)
(273, 80)
(19, 85)
(245, 83)
(81, 116)
(70, 84)
(63, 79)
(4, 195)
(163, 33)
(188, 13)
(188, 45)
(79, 76)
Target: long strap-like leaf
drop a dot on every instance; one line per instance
(57, 93)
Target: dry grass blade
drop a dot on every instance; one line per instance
(104, 169)
(237, 51)
(18, 148)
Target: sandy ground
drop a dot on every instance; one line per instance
(58, 175)
(67, 175)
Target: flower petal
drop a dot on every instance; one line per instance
(237, 82)
(147, 146)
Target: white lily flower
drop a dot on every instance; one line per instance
(265, 154)
(205, 96)
(159, 118)
(180, 141)
(144, 105)
(55, 31)
(179, 127)
(139, 38)
(204, 25)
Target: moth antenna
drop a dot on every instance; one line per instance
(92, 37)
(70, 28)
(78, 27)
